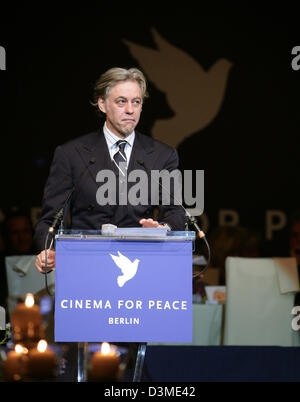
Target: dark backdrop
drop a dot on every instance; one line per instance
(249, 151)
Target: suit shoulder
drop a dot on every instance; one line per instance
(152, 142)
(89, 138)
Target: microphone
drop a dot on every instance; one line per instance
(192, 220)
(58, 217)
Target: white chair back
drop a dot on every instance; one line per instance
(260, 297)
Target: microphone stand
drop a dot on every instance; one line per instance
(193, 221)
(58, 217)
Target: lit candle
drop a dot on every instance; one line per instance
(105, 364)
(26, 319)
(41, 361)
(14, 365)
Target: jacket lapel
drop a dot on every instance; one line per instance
(95, 147)
(142, 150)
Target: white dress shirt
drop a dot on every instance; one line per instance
(112, 139)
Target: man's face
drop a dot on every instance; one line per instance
(122, 107)
(295, 241)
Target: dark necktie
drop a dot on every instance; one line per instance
(120, 157)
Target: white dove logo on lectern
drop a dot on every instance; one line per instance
(127, 267)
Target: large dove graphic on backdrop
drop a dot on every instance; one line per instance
(195, 95)
(127, 268)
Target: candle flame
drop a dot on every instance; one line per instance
(105, 348)
(29, 300)
(42, 346)
(19, 349)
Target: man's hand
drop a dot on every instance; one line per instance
(150, 223)
(40, 260)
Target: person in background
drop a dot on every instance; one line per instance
(294, 237)
(233, 241)
(3, 280)
(294, 245)
(225, 241)
(17, 234)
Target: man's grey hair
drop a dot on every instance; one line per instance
(115, 75)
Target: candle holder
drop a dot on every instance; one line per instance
(26, 320)
(42, 364)
(105, 365)
(13, 363)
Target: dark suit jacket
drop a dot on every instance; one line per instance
(68, 163)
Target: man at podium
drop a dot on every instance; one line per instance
(117, 147)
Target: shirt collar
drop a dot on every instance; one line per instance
(112, 138)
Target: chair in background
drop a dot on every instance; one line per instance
(23, 277)
(260, 298)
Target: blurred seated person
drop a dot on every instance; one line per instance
(18, 240)
(232, 241)
(294, 244)
(294, 237)
(3, 284)
(18, 234)
(225, 241)
(2, 246)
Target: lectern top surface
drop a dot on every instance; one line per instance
(127, 233)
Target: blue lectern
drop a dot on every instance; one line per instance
(131, 286)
